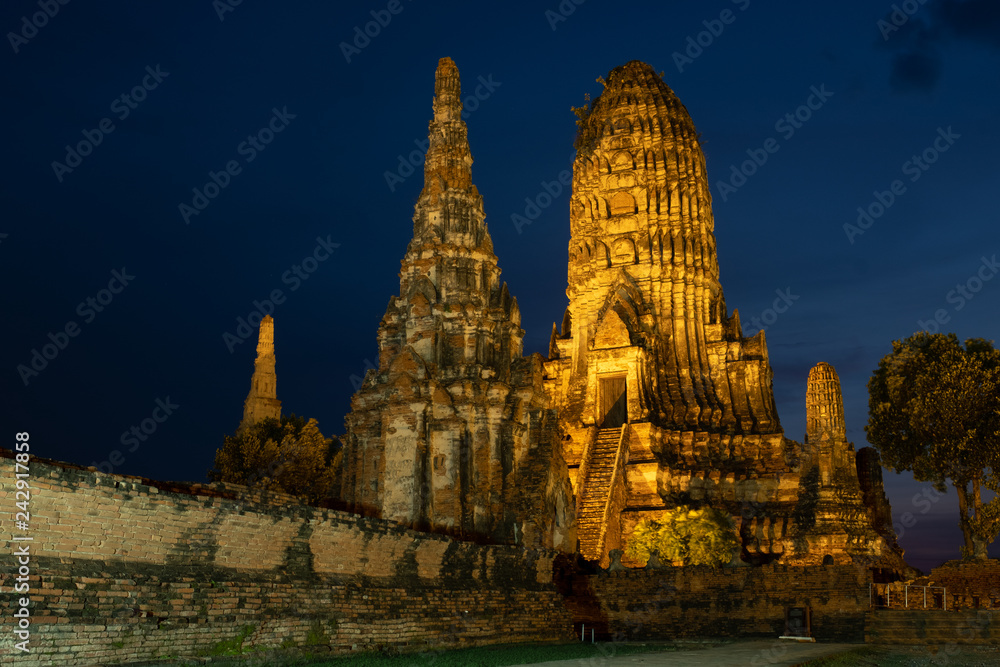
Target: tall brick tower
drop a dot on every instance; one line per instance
(262, 401)
(453, 431)
(663, 401)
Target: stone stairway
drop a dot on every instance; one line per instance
(596, 490)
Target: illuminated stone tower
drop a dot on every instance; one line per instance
(453, 432)
(662, 399)
(262, 401)
(647, 340)
(847, 502)
(825, 429)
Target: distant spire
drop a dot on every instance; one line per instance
(262, 401)
(824, 404)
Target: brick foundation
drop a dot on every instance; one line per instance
(723, 602)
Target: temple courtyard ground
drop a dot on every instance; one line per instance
(742, 653)
(708, 652)
(758, 653)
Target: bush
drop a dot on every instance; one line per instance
(692, 536)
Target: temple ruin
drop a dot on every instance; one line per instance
(453, 432)
(662, 399)
(651, 397)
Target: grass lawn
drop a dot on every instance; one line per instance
(905, 656)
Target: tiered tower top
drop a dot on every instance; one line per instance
(824, 404)
(641, 192)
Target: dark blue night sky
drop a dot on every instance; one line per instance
(297, 135)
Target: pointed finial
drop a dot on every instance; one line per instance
(447, 91)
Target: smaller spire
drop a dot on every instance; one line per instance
(824, 405)
(262, 401)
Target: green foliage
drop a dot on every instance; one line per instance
(288, 456)
(693, 536)
(804, 513)
(934, 409)
(232, 646)
(582, 114)
(317, 635)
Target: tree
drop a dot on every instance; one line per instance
(934, 409)
(693, 536)
(289, 455)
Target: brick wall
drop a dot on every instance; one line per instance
(722, 602)
(934, 627)
(125, 568)
(969, 585)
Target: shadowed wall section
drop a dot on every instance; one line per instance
(125, 569)
(655, 603)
